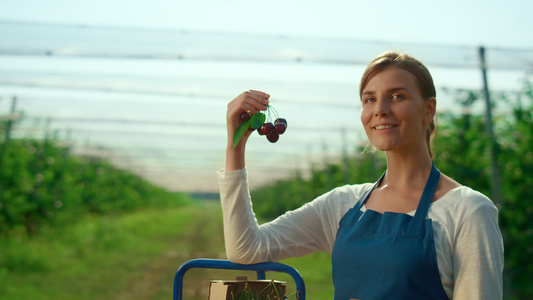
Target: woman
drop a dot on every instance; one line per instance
(414, 234)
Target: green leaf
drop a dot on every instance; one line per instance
(239, 132)
(258, 120)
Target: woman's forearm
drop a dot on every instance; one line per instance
(235, 158)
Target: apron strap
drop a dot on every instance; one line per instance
(363, 199)
(427, 195)
(425, 200)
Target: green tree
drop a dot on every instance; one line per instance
(462, 149)
(42, 185)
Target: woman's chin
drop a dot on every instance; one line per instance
(383, 147)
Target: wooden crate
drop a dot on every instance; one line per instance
(234, 289)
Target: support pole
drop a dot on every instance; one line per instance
(345, 160)
(10, 120)
(495, 184)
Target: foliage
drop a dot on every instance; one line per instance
(269, 292)
(42, 185)
(462, 151)
(273, 200)
(128, 256)
(516, 157)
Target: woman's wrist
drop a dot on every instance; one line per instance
(235, 158)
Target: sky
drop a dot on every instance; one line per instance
(175, 110)
(490, 23)
(493, 23)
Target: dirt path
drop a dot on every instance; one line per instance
(202, 239)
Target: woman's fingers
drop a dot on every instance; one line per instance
(255, 101)
(262, 94)
(252, 100)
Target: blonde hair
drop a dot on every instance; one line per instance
(413, 66)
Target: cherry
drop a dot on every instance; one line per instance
(271, 130)
(280, 120)
(266, 129)
(280, 127)
(245, 116)
(273, 137)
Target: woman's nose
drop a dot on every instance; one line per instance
(381, 108)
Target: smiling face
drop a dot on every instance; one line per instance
(394, 113)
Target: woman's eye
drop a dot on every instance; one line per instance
(397, 97)
(368, 100)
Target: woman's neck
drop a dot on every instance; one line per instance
(409, 171)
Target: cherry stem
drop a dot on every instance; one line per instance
(274, 111)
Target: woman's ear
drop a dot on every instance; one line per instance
(431, 108)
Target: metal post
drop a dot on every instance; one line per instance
(345, 160)
(47, 129)
(10, 120)
(495, 173)
(495, 186)
(329, 179)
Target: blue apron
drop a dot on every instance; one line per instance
(387, 256)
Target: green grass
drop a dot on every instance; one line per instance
(133, 256)
(315, 269)
(95, 259)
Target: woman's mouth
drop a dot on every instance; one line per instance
(383, 127)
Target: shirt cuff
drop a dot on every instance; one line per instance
(237, 174)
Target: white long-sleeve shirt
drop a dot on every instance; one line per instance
(468, 241)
